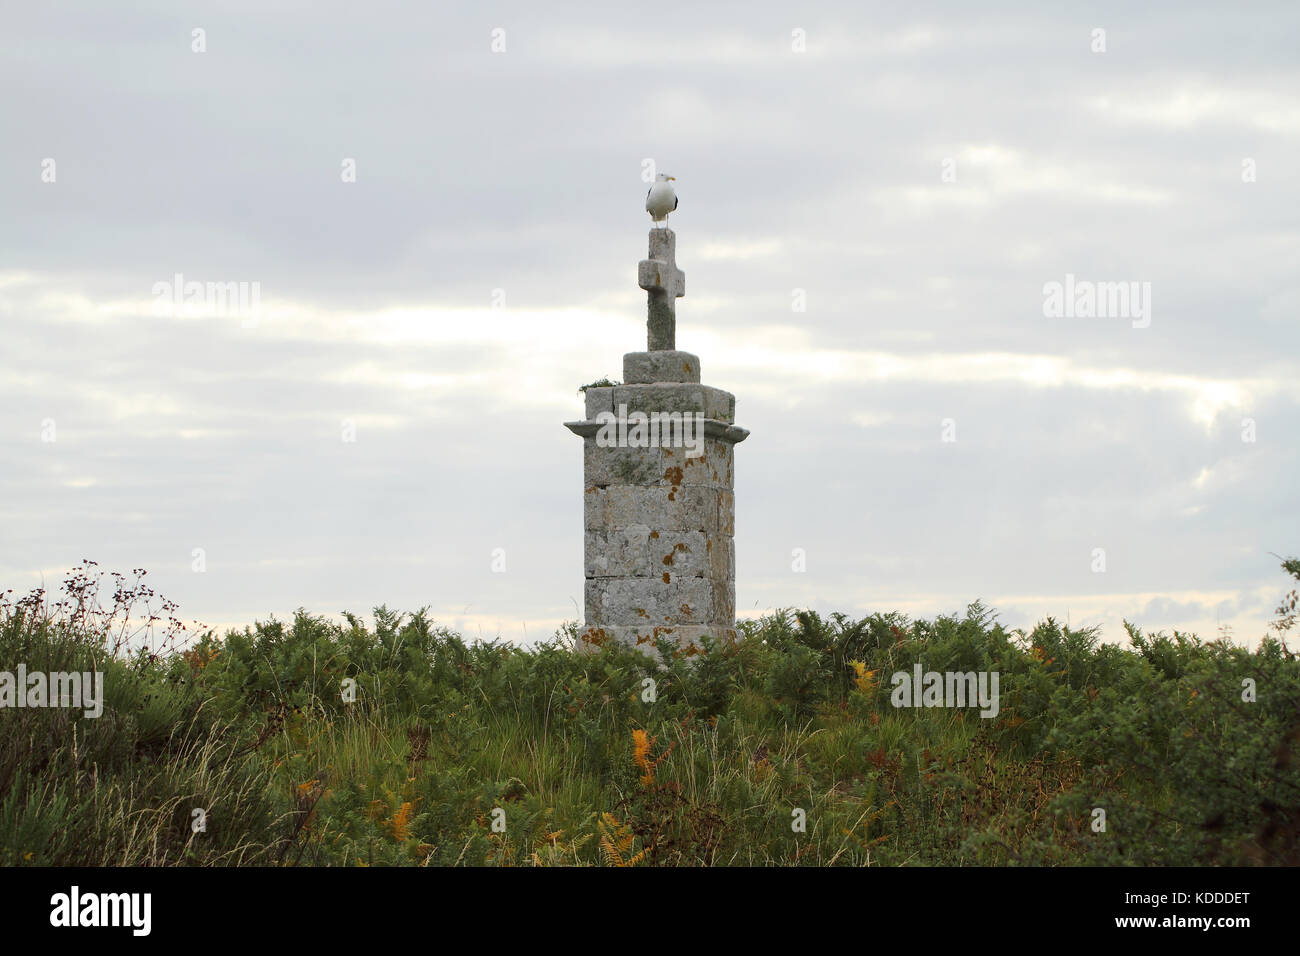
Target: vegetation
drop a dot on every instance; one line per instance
(467, 754)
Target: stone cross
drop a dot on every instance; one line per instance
(665, 283)
(659, 518)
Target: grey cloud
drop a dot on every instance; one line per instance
(521, 172)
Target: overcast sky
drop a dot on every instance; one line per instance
(921, 172)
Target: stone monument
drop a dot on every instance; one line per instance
(659, 515)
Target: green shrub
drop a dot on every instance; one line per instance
(585, 764)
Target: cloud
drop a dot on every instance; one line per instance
(514, 180)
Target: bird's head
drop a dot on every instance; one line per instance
(664, 178)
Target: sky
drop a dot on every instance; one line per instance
(440, 211)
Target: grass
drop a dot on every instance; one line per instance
(782, 749)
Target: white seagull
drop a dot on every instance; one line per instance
(661, 199)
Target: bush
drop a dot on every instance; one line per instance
(457, 753)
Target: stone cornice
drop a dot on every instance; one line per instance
(722, 431)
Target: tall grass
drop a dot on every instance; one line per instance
(781, 749)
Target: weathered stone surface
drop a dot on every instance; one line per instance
(636, 551)
(688, 638)
(680, 554)
(721, 551)
(620, 553)
(599, 400)
(663, 509)
(595, 508)
(622, 466)
(713, 467)
(672, 397)
(664, 284)
(648, 601)
(724, 601)
(646, 368)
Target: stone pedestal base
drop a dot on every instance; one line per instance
(659, 557)
(687, 638)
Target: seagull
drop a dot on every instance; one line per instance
(661, 199)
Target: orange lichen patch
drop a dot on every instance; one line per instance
(708, 545)
(679, 546)
(666, 580)
(686, 609)
(654, 534)
(595, 636)
(686, 367)
(674, 475)
(641, 611)
(643, 639)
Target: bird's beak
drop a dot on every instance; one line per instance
(672, 179)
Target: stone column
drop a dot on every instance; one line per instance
(659, 512)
